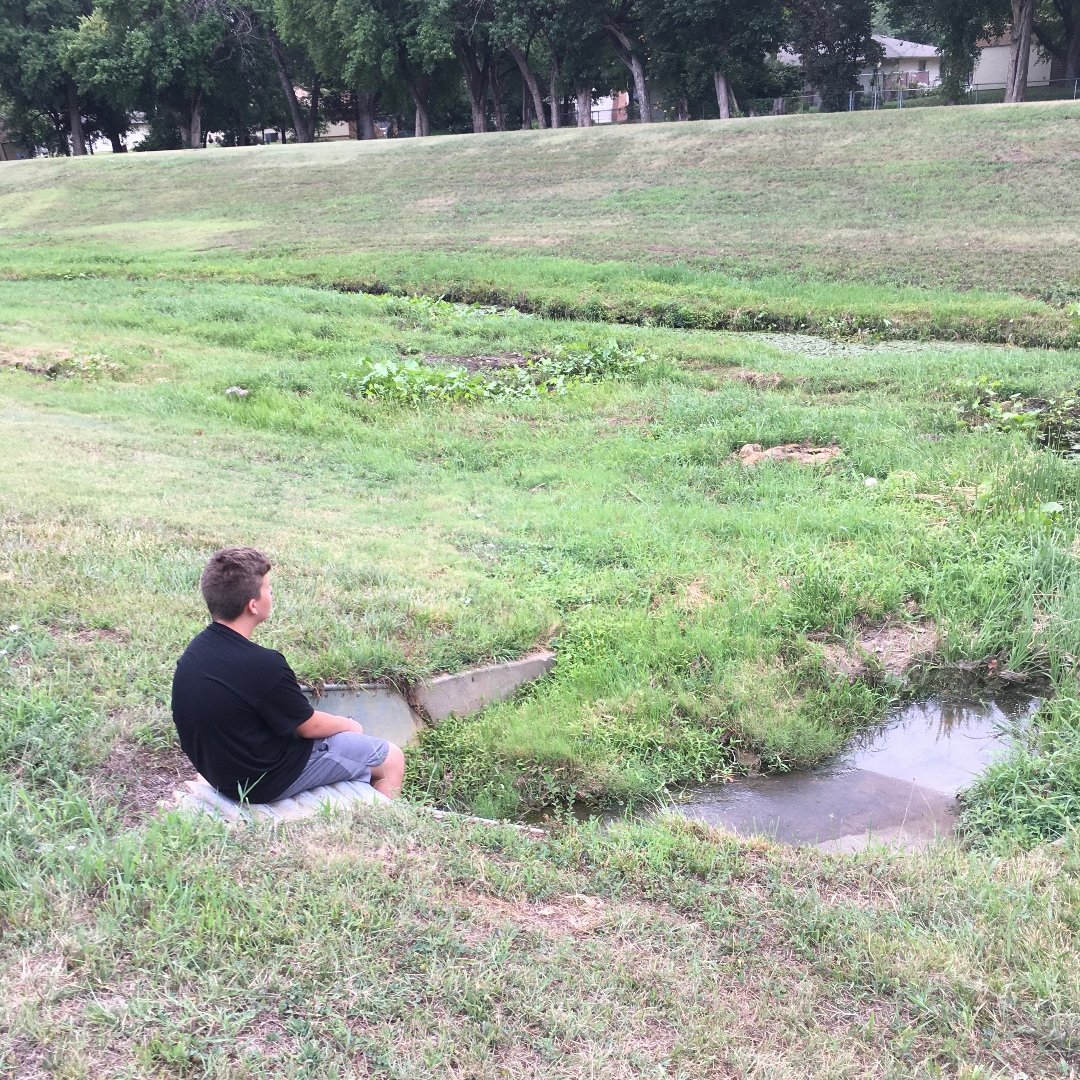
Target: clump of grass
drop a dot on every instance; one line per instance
(44, 738)
(1032, 795)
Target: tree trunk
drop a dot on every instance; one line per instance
(624, 50)
(1064, 48)
(583, 97)
(190, 124)
(418, 93)
(723, 94)
(78, 140)
(418, 86)
(528, 76)
(1072, 46)
(496, 97)
(477, 76)
(118, 146)
(682, 109)
(296, 112)
(1023, 13)
(556, 119)
(312, 124)
(364, 112)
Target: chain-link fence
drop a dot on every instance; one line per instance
(888, 96)
(905, 97)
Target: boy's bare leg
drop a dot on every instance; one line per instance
(388, 777)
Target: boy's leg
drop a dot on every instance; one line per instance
(389, 777)
(349, 755)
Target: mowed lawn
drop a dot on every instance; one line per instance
(885, 221)
(689, 597)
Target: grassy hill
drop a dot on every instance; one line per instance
(886, 222)
(595, 502)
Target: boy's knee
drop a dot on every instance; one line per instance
(394, 764)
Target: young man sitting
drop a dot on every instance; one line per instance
(240, 713)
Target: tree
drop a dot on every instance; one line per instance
(955, 27)
(695, 43)
(1023, 17)
(835, 40)
(161, 54)
(34, 74)
(622, 24)
(1057, 27)
(577, 55)
(518, 27)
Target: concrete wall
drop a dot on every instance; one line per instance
(399, 716)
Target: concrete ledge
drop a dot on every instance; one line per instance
(383, 711)
(198, 796)
(470, 691)
(399, 717)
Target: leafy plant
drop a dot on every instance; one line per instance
(411, 382)
(985, 402)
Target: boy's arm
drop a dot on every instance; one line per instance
(320, 725)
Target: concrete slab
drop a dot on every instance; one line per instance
(468, 692)
(200, 797)
(382, 710)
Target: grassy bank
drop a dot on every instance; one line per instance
(944, 223)
(392, 946)
(183, 364)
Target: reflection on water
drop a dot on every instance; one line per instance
(901, 777)
(942, 743)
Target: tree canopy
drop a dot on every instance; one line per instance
(72, 71)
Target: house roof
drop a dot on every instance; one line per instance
(897, 48)
(894, 49)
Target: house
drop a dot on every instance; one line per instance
(992, 67)
(904, 64)
(611, 108)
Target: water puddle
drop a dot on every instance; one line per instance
(814, 345)
(897, 783)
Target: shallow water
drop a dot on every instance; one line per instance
(898, 781)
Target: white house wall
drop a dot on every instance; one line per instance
(992, 67)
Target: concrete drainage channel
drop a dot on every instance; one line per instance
(388, 713)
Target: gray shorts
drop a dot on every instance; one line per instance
(348, 755)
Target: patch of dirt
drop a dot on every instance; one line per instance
(695, 596)
(759, 380)
(629, 421)
(800, 453)
(573, 915)
(142, 778)
(55, 363)
(47, 362)
(888, 648)
(480, 363)
(87, 634)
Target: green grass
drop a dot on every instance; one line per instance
(942, 223)
(612, 521)
(390, 945)
(683, 592)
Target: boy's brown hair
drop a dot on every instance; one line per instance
(231, 578)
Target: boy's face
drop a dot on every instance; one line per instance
(264, 602)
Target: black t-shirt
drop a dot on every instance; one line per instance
(236, 707)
